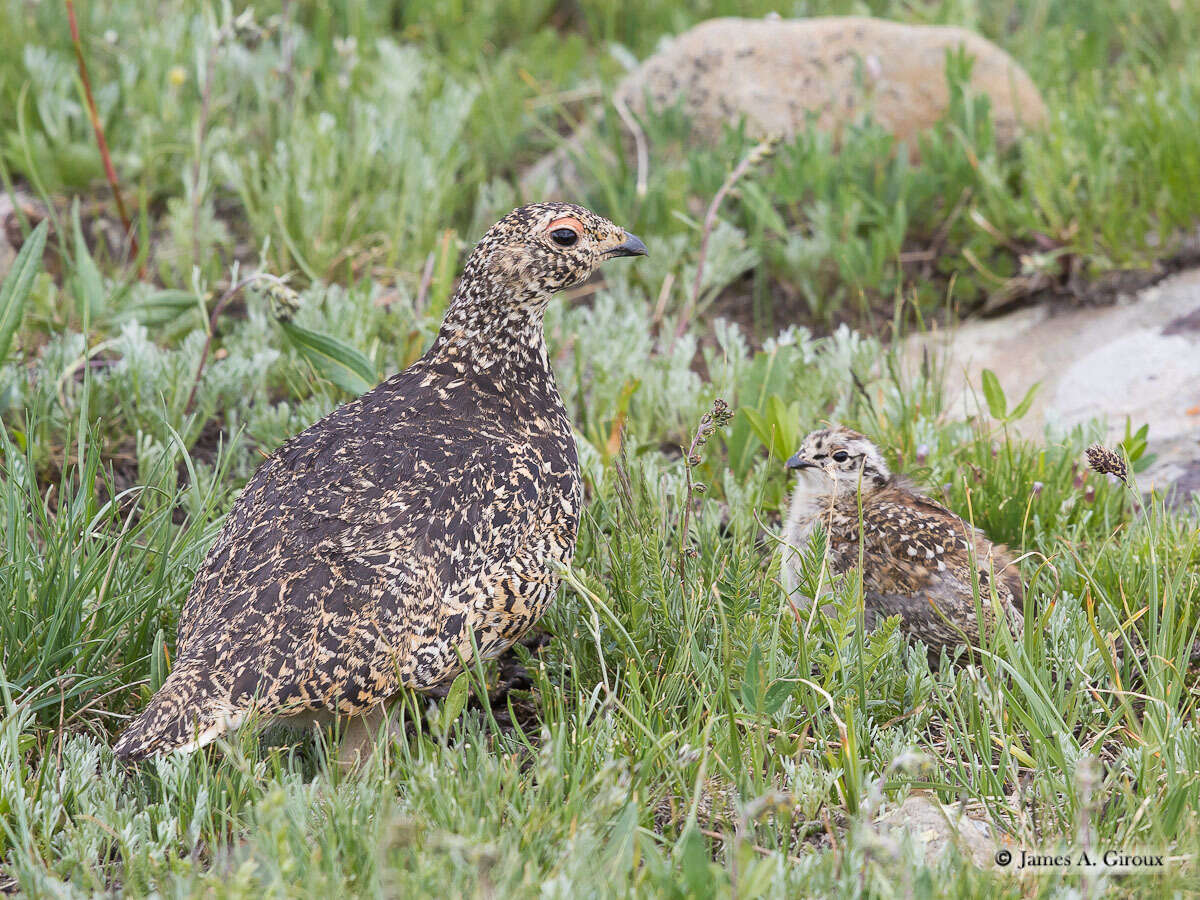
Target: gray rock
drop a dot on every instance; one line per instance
(777, 73)
(7, 251)
(934, 827)
(1138, 358)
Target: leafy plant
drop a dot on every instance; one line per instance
(1134, 444)
(997, 403)
(332, 359)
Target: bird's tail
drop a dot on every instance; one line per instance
(184, 715)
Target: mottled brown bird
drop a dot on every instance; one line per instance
(919, 560)
(407, 529)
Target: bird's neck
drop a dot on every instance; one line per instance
(494, 327)
(841, 495)
(810, 498)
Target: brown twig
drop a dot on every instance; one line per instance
(660, 306)
(105, 157)
(753, 158)
(757, 848)
(426, 281)
(228, 296)
(639, 143)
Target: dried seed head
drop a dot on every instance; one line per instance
(285, 302)
(717, 417)
(721, 413)
(1107, 462)
(246, 31)
(764, 150)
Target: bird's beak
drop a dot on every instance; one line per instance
(632, 246)
(796, 461)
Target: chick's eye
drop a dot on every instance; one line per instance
(841, 456)
(564, 237)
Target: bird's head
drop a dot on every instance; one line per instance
(843, 458)
(546, 247)
(508, 278)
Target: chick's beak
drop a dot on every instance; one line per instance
(796, 461)
(632, 246)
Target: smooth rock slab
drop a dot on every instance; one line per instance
(1138, 358)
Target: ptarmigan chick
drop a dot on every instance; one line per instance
(919, 560)
(407, 529)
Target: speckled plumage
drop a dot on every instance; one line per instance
(919, 560)
(373, 549)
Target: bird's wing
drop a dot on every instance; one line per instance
(355, 560)
(921, 562)
(916, 543)
(910, 541)
(347, 543)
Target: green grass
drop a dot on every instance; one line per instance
(666, 713)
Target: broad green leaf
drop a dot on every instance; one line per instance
(752, 681)
(456, 701)
(776, 695)
(994, 394)
(340, 363)
(17, 284)
(785, 427)
(1135, 443)
(758, 424)
(1026, 402)
(777, 426)
(695, 864)
(160, 308)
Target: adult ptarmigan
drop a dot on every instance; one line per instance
(918, 560)
(407, 529)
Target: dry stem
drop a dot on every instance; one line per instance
(753, 158)
(109, 172)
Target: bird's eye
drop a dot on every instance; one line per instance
(564, 237)
(841, 456)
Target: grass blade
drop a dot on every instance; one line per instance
(17, 285)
